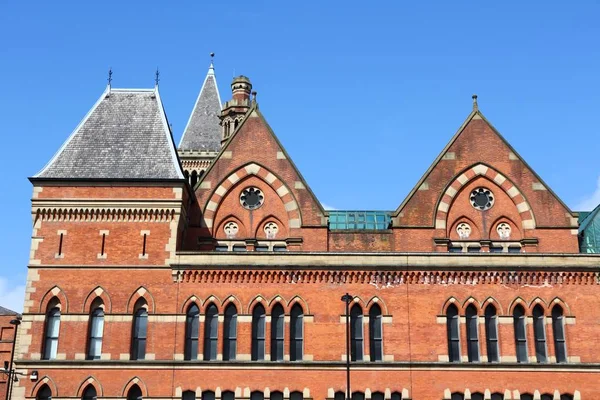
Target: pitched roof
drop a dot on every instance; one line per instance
(203, 131)
(124, 136)
(6, 311)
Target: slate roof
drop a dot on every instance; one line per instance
(203, 131)
(125, 136)
(6, 311)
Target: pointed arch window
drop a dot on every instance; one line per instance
(89, 393)
(257, 396)
(208, 395)
(547, 397)
(52, 330)
(377, 396)
(396, 396)
(558, 327)
(375, 333)
(230, 333)
(188, 395)
(211, 331)
(453, 327)
(277, 335)
(228, 395)
(526, 396)
(140, 330)
(192, 327)
(472, 333)
(44, 393)
(457, 396)
(339, 396)
(134, 393)
(539, 331)
(276, 396)
(358, 395)
(258, 334)
(477, 396)
(356, 333)
(497, 396)
(96, 333)
(296, 333)
(520, 334)
(491, 333)
(296, 396)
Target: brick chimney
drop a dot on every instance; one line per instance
(235, 109)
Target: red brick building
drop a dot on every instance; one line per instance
(7, 339)
(211, 271)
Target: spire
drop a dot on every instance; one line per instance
(203, 130)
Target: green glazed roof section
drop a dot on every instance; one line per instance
(359, 220)
(589, 231)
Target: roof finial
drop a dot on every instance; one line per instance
(109, 76)
(157, 77)
(254, 97)
(211, 68)
(475, 106)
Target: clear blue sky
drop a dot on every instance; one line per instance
(364, 95)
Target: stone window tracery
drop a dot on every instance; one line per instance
(231, 229)
(464, 230)
(271, 230)
(503, 230)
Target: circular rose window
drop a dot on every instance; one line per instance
(482, 199)
(251, 198)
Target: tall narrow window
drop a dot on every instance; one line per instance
(89, 393)
(134, 393)
(477, 396)
(192, 327)
(375, 333)
(228, 395)
(211, 331)
(472, 333)
(277, 335)
(103, 244)
(230, 333)
(140, 328)
(491, 333)
(539, 331)
(356, 334)
(296, 333)
(96, 333)
(257, 396)
(452, 325)
(558, 327)
(52, 330)
(144, 244)
(520, 334)
(44, 393)
(296, 396)
(60, 244)
(208, 395)
(258, 334)
(276, 396)
(188, 395)
(377, 396)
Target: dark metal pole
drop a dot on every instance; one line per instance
(348, 395)
(16, 322)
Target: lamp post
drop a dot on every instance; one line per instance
(347, 299)
(11, 374)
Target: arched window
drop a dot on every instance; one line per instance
(140, 330)
(497, 396)
(477, 396)
(558, 327)
(491, 333)
(276, 396)
(192, 327)
(96, 333)
(547, 396)
(44, 393)
(377, 396)
(211, 331)
(539, 332)
(472, 333)
(257, 395)
(296, 333)
(134, 393)
(375, 334)
(296, 396)
(526, 396)
(258, 335)
(194, 178)
(230, 333)
(452, 325)
(566, 397)
(339, 396)
(356, 335)
(457, 396)
(277, 334)
(52, 330)
(188, 395)
(208, 395)
(396, 396)
(358, 395)
(89, 393)
(228, 395)
(520, 334)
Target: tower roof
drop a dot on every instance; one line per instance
(125, 136)
(203, 131)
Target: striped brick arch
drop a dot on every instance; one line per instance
(291, 206)
(527, 218)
